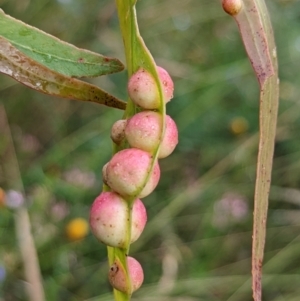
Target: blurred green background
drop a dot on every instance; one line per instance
(197, 243)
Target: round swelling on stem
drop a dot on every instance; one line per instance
(170, 138)
(109, 217)
(104, 174)
(117, 131)
(117, 276)
(232, 7)
(143, 131)
(167, 83)
(143, 90)
(127, 171)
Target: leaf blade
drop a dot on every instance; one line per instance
(38, 77)
(256, 31)
(256, 41)
(53, 53)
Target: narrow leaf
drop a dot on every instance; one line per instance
(255, 39)
(38, 77)
(53, 53)
(257, 34)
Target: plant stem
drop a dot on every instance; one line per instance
(137, 56)
(29, 256)
(26, 243)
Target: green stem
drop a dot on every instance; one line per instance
(137, 56)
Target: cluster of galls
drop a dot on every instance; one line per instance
(130, 173)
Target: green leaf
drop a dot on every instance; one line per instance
(38, 77)
(257, 34)
(53, 53)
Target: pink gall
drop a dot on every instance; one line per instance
(117, 276)
(109, 217)
(128, 170)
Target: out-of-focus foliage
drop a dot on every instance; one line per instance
(197, 243)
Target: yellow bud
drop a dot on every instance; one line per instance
(77, 229)
(239, 125)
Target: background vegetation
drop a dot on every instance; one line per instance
(197, 243)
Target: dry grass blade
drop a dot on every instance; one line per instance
(256, 31)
